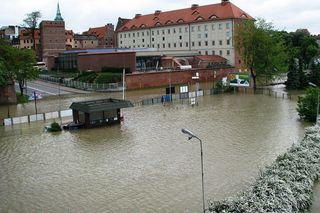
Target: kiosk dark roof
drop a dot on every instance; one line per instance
(100, 105)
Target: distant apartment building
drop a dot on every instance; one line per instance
(9, 32)
(208, 29)
(26, 40)
(53, 38)
(105, 35)
(85, 41)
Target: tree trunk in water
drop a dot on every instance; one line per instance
(21, 84)
(254, 79)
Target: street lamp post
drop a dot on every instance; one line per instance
(314, 85)
(190, 136)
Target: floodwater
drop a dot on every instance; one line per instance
(145, 164)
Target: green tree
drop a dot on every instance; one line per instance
(16, 65)
(307, 105)
(293, 81)
(315, 70)
(261, 48)
(31, 21)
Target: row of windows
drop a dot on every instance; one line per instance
(199, 28)
(205, 43)
(213, 52)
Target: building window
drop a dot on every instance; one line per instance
(180, 30)
(206, 52)
(213, 52)
(120, 35)
(220, 26)
(220, 42)
(142, 33)
(228, 52)
(199, 43)
(138, 34)
(152, 39)
(168, 31)
(174, 45)
(152, 32)
(163, 38)
(186, 29)
(147, 33)
(133, 35)
(227, 25)
(163, 32)
(192, 29)
(158, 32)
(129, 35)
(187, 44)
(213, 43)
(206, 35)
(220, 52)
(206, 43)
(192, 43)
(213, 27)
(158, 45)
(169, 45)
(164, 45)
(200, 52)
(199, 35)
(180, 44)
(180, 37)
(143, 40)
(125, 35)
(228, 42)
(134, 41)
(205, 28)
(152, 45)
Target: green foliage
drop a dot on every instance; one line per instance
(21, 99)
(285, 186)
(293, 81)
(54, 127)
(16, 64)
(261, 48)
(307, 105)
(108, 78)
(315, 71)
(86, 77)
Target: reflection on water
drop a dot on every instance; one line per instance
(146, 164)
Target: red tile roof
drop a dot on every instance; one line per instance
(214, 58)
(99, 32)
(26, 34)
(220, 11)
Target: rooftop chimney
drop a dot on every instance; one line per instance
(157, 12)
(194, 6)
(137, 15)
(224, 2)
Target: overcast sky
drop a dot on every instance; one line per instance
(79, 15)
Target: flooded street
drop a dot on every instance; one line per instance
(145, 164)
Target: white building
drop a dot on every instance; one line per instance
(207, 29)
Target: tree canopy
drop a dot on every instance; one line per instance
(31, 22)
(261, 48)
(16, 65)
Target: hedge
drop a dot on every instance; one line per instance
(284, 186)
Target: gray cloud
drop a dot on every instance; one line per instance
(79, 15)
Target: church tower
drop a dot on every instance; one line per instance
(53, 39)
(58, 14)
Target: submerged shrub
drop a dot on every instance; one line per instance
(284, 186)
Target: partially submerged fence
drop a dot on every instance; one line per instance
(37, 117)
(83, 85)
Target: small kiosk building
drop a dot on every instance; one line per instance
(95, 113)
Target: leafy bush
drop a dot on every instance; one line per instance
(21, 99)
(108, 78)
(87, 77)
(54, 127)
(285, 186)
(307, 105)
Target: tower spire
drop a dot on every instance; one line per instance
(58, 14)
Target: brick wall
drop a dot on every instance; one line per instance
(95, 61)
(163, 78)
(8, 94)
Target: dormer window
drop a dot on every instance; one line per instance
(244, 16)
(156, 18)
(142, 26)
(199, 18)
(195, 13)
(213, 17)
(169, 22)
(180, 21)
(158, 24)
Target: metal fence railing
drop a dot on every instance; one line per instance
(83, 85)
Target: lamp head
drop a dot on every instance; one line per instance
(188, 132)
